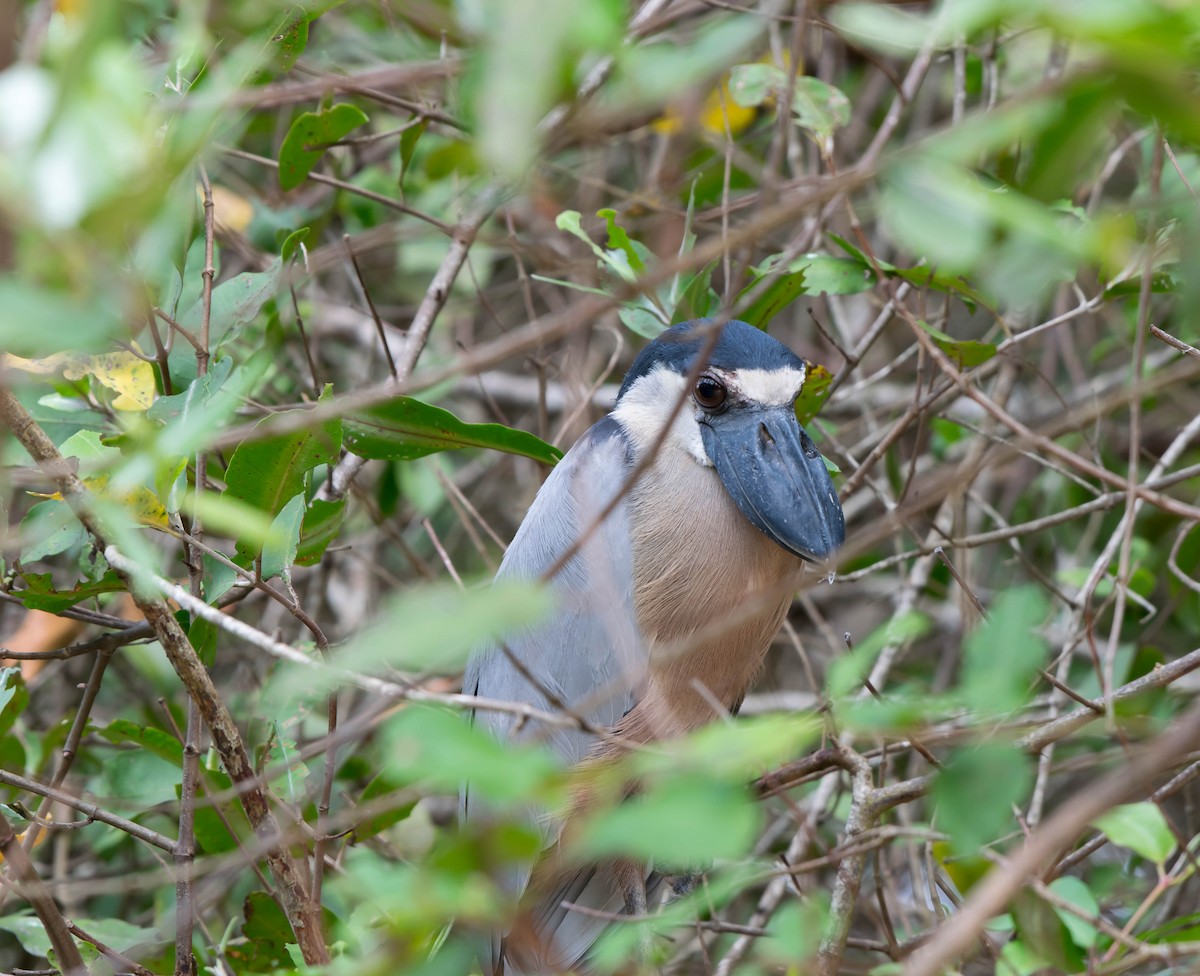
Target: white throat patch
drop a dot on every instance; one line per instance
(649, 402)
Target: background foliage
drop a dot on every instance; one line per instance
(311, 295)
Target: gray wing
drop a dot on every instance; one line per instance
(589, 655)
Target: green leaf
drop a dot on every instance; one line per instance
(752, 84)
(1075, 891)
(268, 473)
(39, 592)
(918, 277)
(618, 239)
(52, 528)
(156, 741)
(289, 39)
(13, 697)
(434, 627)
(380, 786)
(267, 933)
(825, 274)
(1002, 655)
(309, 137)
(62, 321)
(1018, 958)
(698, 298)
(813, 394)
(30, 932)
(279, 549)
(527, 55)
(847, 671)
(213, 825)
(322, 522)
(976, 790)
(1141, 827)
(730, 750)
(198, 394)
(641, 320)
(682, 821)
(235, 304)
(289, 783)
(291, 243)
(408, 145)
(404, 428)
(1039, 926)
(966, 353)
(439, 749)
(203, 636)
(819, 107)
(773, 298)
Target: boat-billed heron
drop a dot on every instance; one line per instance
(666, 607)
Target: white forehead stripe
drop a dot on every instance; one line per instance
(770, 387)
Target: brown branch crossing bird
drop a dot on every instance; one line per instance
(668, 605)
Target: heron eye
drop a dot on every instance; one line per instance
(710, 392)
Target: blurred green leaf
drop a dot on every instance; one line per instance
(1074, 890)
(408, 145)
(380, 786)
(684, 820)
(439, 749)
(308, 138)
(1018, 958)
(1003, 654)
(698, 300)
(641, 320)
(618, 239)
(293, 242)
(752, 84)
(965, 353)
(39, 592)
(847, 671)
(735, 751)
(267, 932)
(14, 697)
(36, 322)
(436, 626)
(156, 741)
(819, 107)
(525, 64)
(976, 791)
(51, 527)
(404, 428)
(1141, 827)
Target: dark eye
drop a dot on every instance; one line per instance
(710, 392)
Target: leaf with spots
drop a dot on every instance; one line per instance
(308, 138)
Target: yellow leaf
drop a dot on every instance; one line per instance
(42, 835)
(718, 109)
(39, 367)
(231, 211)
(131, 377)
(142, 503)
